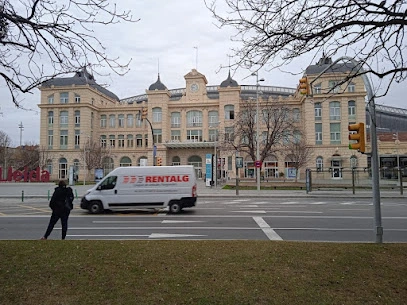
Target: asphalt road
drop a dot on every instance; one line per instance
(301, 219)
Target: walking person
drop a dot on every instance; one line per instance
(61, 205)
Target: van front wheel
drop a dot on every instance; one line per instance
(95, 207)
(175, 207)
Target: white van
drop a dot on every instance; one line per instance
(143, 187)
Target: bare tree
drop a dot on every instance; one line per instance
(26, 156)
(43, 39)
(298, 152)
(274, 32)
(5, 152)
(95, 154)
(276, 124)
(44, 155)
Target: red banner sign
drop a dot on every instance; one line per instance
(36, 175)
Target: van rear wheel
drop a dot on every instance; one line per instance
(95, 207)
(175, 207)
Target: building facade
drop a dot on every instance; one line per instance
(185, 125)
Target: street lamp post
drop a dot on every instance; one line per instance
(84, 159)
(257, 128)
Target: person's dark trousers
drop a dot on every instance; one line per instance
(54, 219)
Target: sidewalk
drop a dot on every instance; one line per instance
(45, 190)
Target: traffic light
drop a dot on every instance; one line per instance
(304, 86)
(159, 161)
(359, 136)
(144, 112)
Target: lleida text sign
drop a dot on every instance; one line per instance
(35, 175)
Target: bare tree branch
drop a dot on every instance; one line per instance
(44, 39)
(274, 32)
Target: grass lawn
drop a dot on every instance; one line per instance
(201, 272)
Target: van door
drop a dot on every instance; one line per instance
(108, 190)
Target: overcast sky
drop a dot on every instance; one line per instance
(168, 33)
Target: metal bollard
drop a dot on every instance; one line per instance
(76, 194)
(22, 196)
(48, 194)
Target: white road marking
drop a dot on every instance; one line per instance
(259, 211)
(159, 235)
(180, 221)
(270, 233)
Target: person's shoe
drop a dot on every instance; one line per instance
(43, 238)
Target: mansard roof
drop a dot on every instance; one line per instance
(79, 79)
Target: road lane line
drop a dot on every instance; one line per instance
(270, 233)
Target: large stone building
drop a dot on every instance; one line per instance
(186, 124)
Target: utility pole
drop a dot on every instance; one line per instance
(21, 132)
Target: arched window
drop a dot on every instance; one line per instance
(194, 118)
(125, 161)
(157, 115)
(108, 165)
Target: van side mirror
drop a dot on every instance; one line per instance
(99, 187)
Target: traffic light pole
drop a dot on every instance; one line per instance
(374, 156)
(152, 135)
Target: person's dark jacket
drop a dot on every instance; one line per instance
(57, 203)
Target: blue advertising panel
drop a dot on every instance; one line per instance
(208, 175)
(98, 174)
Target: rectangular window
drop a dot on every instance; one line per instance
(51, 99)
(77, 98)
(318, 111)
(213, 135)
(63, 139)
(139, 141)
(175, 135)
(64, 97)
(103, 121)
(158, 135)
(120, 141)
(175, 120)
(130, 141)
(335, 131)
(103, 141)
(334, 111)
(112, 141)
(112, 120)
(194, 135)
(50, 139)
(63, 120)
(157, 116)
(130, 120)
(50, 119)
(351, 87)
(77, 119)
(121, 120)
(317, 89)
(229, 134)
(318, 134)
(334, 86)
(77, 139)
